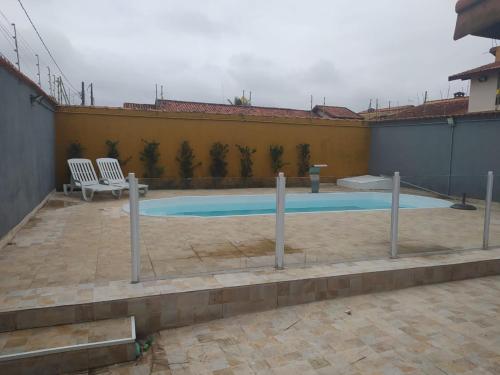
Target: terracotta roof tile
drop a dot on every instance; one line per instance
(382, 113)
(434, 108)
(227, 109)
(388, 109)
(328, 112)
(336, 112)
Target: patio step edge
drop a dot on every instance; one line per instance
(72, 357)
(172, 309)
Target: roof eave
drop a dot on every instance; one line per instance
(464, 76)
(479, 18)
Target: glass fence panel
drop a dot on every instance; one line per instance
(190, 227)
(193, 228)
(494, 237)
(440, 214)
(352, 223)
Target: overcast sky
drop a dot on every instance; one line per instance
(282, 51)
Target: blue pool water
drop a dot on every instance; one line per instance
(244, 205)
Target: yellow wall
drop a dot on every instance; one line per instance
(342, 144)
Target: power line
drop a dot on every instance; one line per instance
(46, 48)
(7, 35)
(4, 16)
(23, 43)
(21, 38)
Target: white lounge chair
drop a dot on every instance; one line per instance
(112, 174)
(84, 177)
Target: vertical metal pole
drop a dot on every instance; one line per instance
(82, 94)
(487, 211)
(134, 226)
(395, 215)
(50, 83)
(16, 50)
(38, 70)
(280, 221)
(92, 94)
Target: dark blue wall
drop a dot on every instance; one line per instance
(422, 151)
(27, 144)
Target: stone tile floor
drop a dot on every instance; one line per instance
(443, 329)
(70, 242)
(64, 335)
(22, 299)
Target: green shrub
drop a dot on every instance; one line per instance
(276, 153)
(304, 153)
(246, 162)
(114, 153)
(186, 159)
(74, 150)
(150, 156)
(218, 154)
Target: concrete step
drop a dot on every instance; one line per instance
(67, 348)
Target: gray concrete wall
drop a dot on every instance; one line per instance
(27, 144)
(422, 151)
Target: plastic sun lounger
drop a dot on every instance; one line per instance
(84, 177)
(112, 174)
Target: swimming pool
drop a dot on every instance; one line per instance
(246, 205)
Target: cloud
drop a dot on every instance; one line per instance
(194, 23)
(283, 51)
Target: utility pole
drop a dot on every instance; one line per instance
(92, 94)
(59, 99)
(64, 94)
(83, 93)
(16, 50)
(38, 70)
(50, 83)
(311, 111)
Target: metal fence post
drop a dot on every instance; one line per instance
(134, 227)
(487, 211)
(280, 221)
(395, 214)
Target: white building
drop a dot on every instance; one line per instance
(484, 86)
